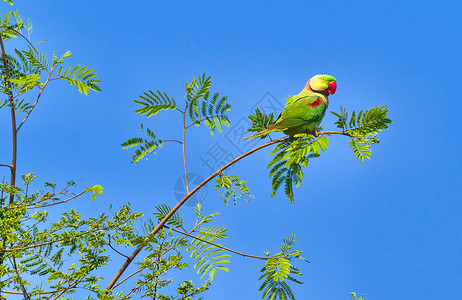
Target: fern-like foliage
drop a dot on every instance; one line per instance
(154, 102)
(146, 146)
(363, 128)
(259, 121)
(233, 188)
(204, 107)
(209, 258)
(12, 24)
(24, 76)
(82, 77)
(26, 82)
(37, 59)
(289, 158)
(278, 270)
(41, 261)
(175, 220)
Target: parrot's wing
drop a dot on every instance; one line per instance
(302, 107)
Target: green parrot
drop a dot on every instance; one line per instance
(304, 112)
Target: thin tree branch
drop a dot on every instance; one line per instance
(185, 198)
(183, 146)
(23, 288)
(341, 133)
(109, 244)
(217, 245)
(56, 203)
(140, 269)
(13, 120)
(36, 100)
(19, 33)
(177, 141)
(9, 166)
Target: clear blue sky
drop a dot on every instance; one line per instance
(389, 227)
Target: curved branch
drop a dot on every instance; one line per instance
(185, 198)
(35, 103)
(141, 269)
(341, 133)
(55, 203)
(188, 195)
(19, 33)
(219, 246)
(176, 141)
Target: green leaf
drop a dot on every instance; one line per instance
(154, 102)
(233, 188)
(204, 107)
(94, 190)
(146, 146)
(289, 158)
(82, 77)
(259, 121)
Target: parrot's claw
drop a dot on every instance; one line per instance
(315, 133)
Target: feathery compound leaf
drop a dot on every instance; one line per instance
(9, 29)
(361, 148)
(36, 59)
(363, 128)
(209, 258)
(233, 188)
(288, 159)
(260, 121)
(153, 102)
(25, 83)
(146, 146)
(196, 90)
(162, 210)
(204, 107)
(82, 77)
(278, 270)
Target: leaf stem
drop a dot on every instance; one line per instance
(217, 245)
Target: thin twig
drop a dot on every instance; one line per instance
(56, 203)
(217, 245)
(141, 269)
(36, 100)
(177, 141)
(23, 288)
(19, 33)
(184, 151)
(341, 133)
(109, 244)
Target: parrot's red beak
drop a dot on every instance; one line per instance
(332, 87)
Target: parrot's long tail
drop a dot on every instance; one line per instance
(265, 131)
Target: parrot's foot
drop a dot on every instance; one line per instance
(315, 133)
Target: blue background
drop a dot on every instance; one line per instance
(389, 227)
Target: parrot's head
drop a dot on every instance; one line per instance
(323, 84)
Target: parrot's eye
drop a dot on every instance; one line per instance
(324, 79)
